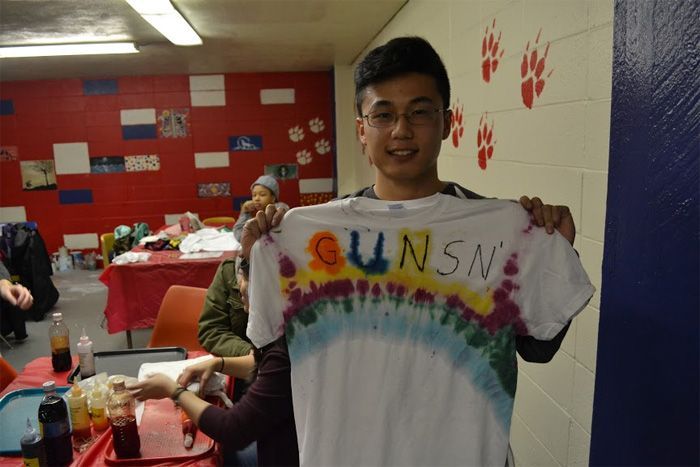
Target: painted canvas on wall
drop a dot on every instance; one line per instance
(174, 123)
(282, 171)
(107, 164)
(8, 153)
(38, 175)
(213, 190)
(142, 163)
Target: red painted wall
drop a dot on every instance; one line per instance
(57, 111)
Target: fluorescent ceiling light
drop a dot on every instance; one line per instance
(163, 16)
(68, 49)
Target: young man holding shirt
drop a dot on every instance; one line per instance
(403, 304)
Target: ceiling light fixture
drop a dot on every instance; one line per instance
(163, 16)
(68, 49)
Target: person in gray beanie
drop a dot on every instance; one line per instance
(264, 191)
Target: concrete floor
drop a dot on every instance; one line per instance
(82, 301)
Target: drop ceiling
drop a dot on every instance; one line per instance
(238, 35)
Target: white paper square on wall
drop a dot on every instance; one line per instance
(207, 83)
(80, 241)
(71, 158)
(12, 214)
(316, 185)
(277, 96)
(207, 98)
(204, 160)
(138, 116)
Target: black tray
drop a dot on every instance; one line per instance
(128, 362)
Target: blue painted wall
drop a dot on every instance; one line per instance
(646, 396)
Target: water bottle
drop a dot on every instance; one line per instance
(122, 414)
(53, 423)
(85, 356)
(33, 454)
(60, 344)
(79, 417)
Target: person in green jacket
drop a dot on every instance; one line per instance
(223, 322)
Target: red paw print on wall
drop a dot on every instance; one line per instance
(456, 123)
(489, 52)
(484, 140)
(531, 70)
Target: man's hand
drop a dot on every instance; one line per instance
(202, 371)
(262, 223)
(16, 294)
(551, 217)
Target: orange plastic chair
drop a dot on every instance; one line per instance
(219, 221)
(176, 324)
(7, 373)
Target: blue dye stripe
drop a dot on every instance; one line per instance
(75, 196)
(139, 132)
(414, 324)
(100, 86)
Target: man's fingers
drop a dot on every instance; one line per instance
(279, 215)
(547, 215)
(526, 202)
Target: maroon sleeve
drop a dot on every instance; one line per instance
(265, 407)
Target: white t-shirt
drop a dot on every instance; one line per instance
(401, 320)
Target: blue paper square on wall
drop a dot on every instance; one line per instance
(93, 87)
(75, 196)
(7, 107)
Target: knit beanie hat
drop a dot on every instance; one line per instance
(270, 183)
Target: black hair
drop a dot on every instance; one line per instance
(397, 57)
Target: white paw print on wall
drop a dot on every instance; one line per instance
(296, 133)
(304, 157)
(323, 146)
(316, 125)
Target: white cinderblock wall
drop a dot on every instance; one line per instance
(557, 150)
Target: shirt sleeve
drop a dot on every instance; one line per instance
(265, 320)
(555, 286)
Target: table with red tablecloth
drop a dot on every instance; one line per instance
(39, 371)
(136, 290)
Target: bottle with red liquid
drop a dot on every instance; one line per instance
(122, 418)
(53, 422)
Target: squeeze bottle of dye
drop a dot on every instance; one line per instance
(86, 357)
(122, 418)
(33, 454)
(79, 416)
(98, 412)
(53, 422)
(60, 344)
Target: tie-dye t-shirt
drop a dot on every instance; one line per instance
(401, 320)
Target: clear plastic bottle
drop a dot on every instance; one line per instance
(85, 356)
(60, 344)
(79, 416)
(98, 408)
(53, 422)
(33, 454)
(122, 418)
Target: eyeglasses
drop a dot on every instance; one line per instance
(417, 117)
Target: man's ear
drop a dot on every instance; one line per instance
(446, 123)
(360, 128)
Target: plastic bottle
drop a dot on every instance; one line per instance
(79, 416)
(85, 356)
(122, 414)
(98, 412)
(53, 422)
(33, 454)
(60, 344)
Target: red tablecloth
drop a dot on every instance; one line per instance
(136, 290)
(39, 370)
